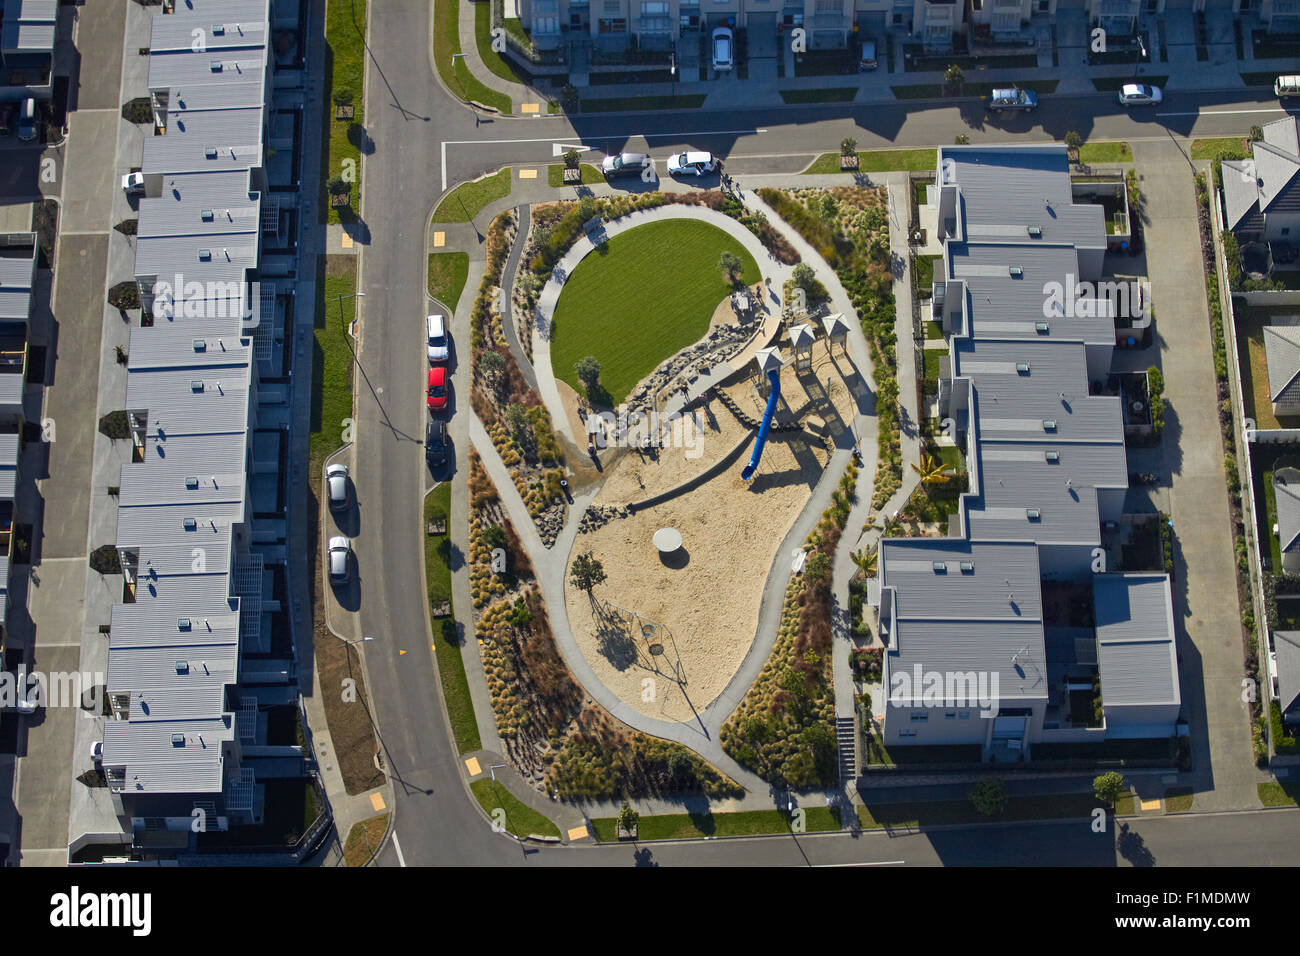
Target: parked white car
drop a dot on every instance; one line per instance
(1139, 94)
(436, 332)
(339, 564)
(336, 484)
(691, 164)
(97, 752)
(723, 49)
(133, 183)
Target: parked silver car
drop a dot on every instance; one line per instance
(336, 485)
(340, 565)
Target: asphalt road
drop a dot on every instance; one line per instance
(416, 127)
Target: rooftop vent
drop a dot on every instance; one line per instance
(1022, 368)
(178, 740)
(218, 29)
(190, 524)
(206, 214)
(1033, 514)
(1052, 456)
(196, 385)
(1016, 272)
(1035, 232)
(210, 152)
(182, 624)
(1049, 425)
(1041, 328)
(967, 567)
(940, 567)
(205, 255)
(215, 66)
(192, 482)
(182, 667)
(200, 345)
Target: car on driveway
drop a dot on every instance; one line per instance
(625, 164)
(437, 396)
(133, 183)
(1012, 100)
(723, 49)
(1140, 94)
(27, 121)
(97, 752)
(436, 332)
(339, 564)
(691, 164)
(435, 442)
(336, 483)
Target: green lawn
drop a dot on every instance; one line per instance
(447, 274)
(927, 91)
(939, 813)
(446, 44)
(331, 399)
(502, 66)
(451, 666)
(1105, 153)
(1112, 84)
(1223, 147)
(345, 30)
(832, 95)
(363, 839)
(1178, 800)
(932, 329)
(878, 161)
(925, 273)
(627, 104)
(590, 175)
(932, 357)
(650, 294)
(1274, 794)
(467, 200)
(520, 819)
(694, 826)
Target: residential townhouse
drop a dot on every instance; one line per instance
(28, 29)
(201, 653)
(975, 654)
(18, 260)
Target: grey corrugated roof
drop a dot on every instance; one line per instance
(1286, 645)
(31, 10)
(999, 570)
(174, 347)
(1284, 134)
(1011, 649)
(154, 764)
(150, 625)
(175, 405)
(27, 37)
(1240, 192)
(1288, 514)
(1135, 639)
(1020, 186)
(1282, 353)
(244, 24)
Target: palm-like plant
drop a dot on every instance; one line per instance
(867, 561)
(932, 471)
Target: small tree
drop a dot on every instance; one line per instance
(961, 139)
(586, 207)
(492, 364)
(588, 372)
(517, 421)
(494, 536)
(586, 573)
(731, 266)
(1256, 134)
(342, 96)
(954, 76)
(1108, 787)
(848, 146)
(1073, 141)
(628, 818)
(989, 797)
(338, 185)
(571, 158)
(829, 207)
(569, 97)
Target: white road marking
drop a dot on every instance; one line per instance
(1275, 109)
(401, 860)
(834, 866)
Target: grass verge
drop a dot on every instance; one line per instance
(590, 175)
(345, 34)
(833, 95)
(1228, 147)
(628, 104)
(1112, 84)
(363, 839)
(448, 272)
(696, 826)
(332, 358)
(500, 66)
(1178, 800)
(467, 200)
(878, 161)
(1274, 794)
(451, 66)
(520, 819)
(942, 812)
(446, 638)
(1105, 153)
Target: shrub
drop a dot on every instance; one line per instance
(124, 295)
(989, 797)
(848, 146)
(588, 372)
(105, 560)
(1108, 787)
(114, 425)
(127, 227)
(138, 110)
(342, 96)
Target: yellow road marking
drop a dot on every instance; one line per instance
(377, 801)
(578, 833)
(527, 174)
(439, 240)
(472, 766)
(530, 108)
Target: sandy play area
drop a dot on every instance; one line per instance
(705, 599)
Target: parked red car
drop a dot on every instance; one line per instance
(438, 387)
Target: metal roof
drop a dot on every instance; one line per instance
(1135, 639)
(1288, 513)
(1286, 645)
(169, 756)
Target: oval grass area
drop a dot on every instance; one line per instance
(647, 296)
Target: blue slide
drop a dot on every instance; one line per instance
(774, 396)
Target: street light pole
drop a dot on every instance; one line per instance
(672, 70)
(348, 295)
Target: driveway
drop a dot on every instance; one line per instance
(1205, 607)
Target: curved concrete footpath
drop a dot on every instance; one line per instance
(507, 292)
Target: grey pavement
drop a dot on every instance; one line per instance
(1209, 622)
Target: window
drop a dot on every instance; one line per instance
(1286, 230)
(964, 715)
(950, 715)
(613, 6)
(616, 25)
(654, 8)
(919, 716)
(907, 732)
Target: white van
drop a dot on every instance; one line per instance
(437, 334)
(27, 121)
(1287, 85)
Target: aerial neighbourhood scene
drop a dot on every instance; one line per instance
(617, 433)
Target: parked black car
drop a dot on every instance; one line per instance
(624, 164)
(435, 443)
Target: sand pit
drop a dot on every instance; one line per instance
(705, 599)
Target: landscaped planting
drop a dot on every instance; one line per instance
(783, 729)
(849, 227)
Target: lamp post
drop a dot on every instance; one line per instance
(1137, 62)
(672, 70)
(342, 296)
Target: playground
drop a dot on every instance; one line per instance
(668, 630)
